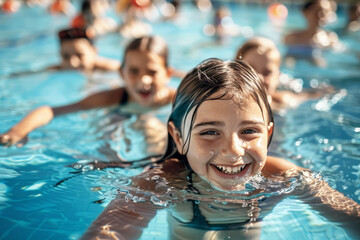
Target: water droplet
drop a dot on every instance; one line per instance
(158, 202)
(128, 197)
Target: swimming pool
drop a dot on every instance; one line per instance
(36, 204)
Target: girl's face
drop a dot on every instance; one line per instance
(145, 76)
(267, 65)
(228, 142)
(78, 54)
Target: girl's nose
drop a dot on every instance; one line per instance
(234, 148)
(74, 61)
(146, 82)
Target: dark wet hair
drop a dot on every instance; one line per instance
(231, 79)
(154, 44)
(85, 6)
(308, 4)
(72, 34)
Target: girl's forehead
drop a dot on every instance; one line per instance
(136, 56)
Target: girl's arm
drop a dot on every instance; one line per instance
(43, 115)
(121, 220)
(331, 204)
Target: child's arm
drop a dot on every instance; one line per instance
(43, 115)
(125, 217)
(292, 99)
(121, 220)
(331, 204)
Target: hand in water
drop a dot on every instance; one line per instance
(13, 137)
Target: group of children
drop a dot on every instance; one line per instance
(219, 129)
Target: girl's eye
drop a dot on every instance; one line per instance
(152, 72)
(66, 56)
(209, 133)
(249, 131)
(133, 71)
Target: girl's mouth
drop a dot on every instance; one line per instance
(144, 93)
(230, 171)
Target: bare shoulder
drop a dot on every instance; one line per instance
(294, 38)
(278, 166)
(166, 171)
(107, 64)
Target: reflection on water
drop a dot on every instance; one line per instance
(320, 135)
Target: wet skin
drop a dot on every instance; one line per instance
(228, 142)
(146, 76)
(78, 54)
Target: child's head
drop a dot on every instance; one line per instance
(354, 12)
(145, 69)
(222, 122)
(77, 50)
(319, 12)
(263, 55)
(92, 9)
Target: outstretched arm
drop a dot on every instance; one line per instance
(331, 204)
(43, 115)
(121, 220)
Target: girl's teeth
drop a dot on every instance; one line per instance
(230, 170)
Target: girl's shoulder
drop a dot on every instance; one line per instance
(170, 171)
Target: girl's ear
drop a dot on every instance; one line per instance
(121, 71)
(170, 71)
(175, 134)
(270, 129)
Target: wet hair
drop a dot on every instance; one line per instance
(153, 44)
(85, 6)
(308, 4)
(260, 43)
(72, 34)
(230, 79)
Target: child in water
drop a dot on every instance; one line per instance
(79, 53)
(145, 72)
(92, 18)
(263, 55)
(308, 43)
(219, 130)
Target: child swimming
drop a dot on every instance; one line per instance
(79, 53)
(219, 130)
(93, 18)
(264, 56)
(145, 72)
(308, 43)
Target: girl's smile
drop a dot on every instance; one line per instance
(228, 141)
(145, 75)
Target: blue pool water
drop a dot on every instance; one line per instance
(323, 135)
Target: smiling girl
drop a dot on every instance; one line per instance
(219, 130)
(145, 72)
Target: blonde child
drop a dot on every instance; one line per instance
(145, 72)
(263, 55)
(219, 130)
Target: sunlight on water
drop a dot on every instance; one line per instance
(51, 188)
